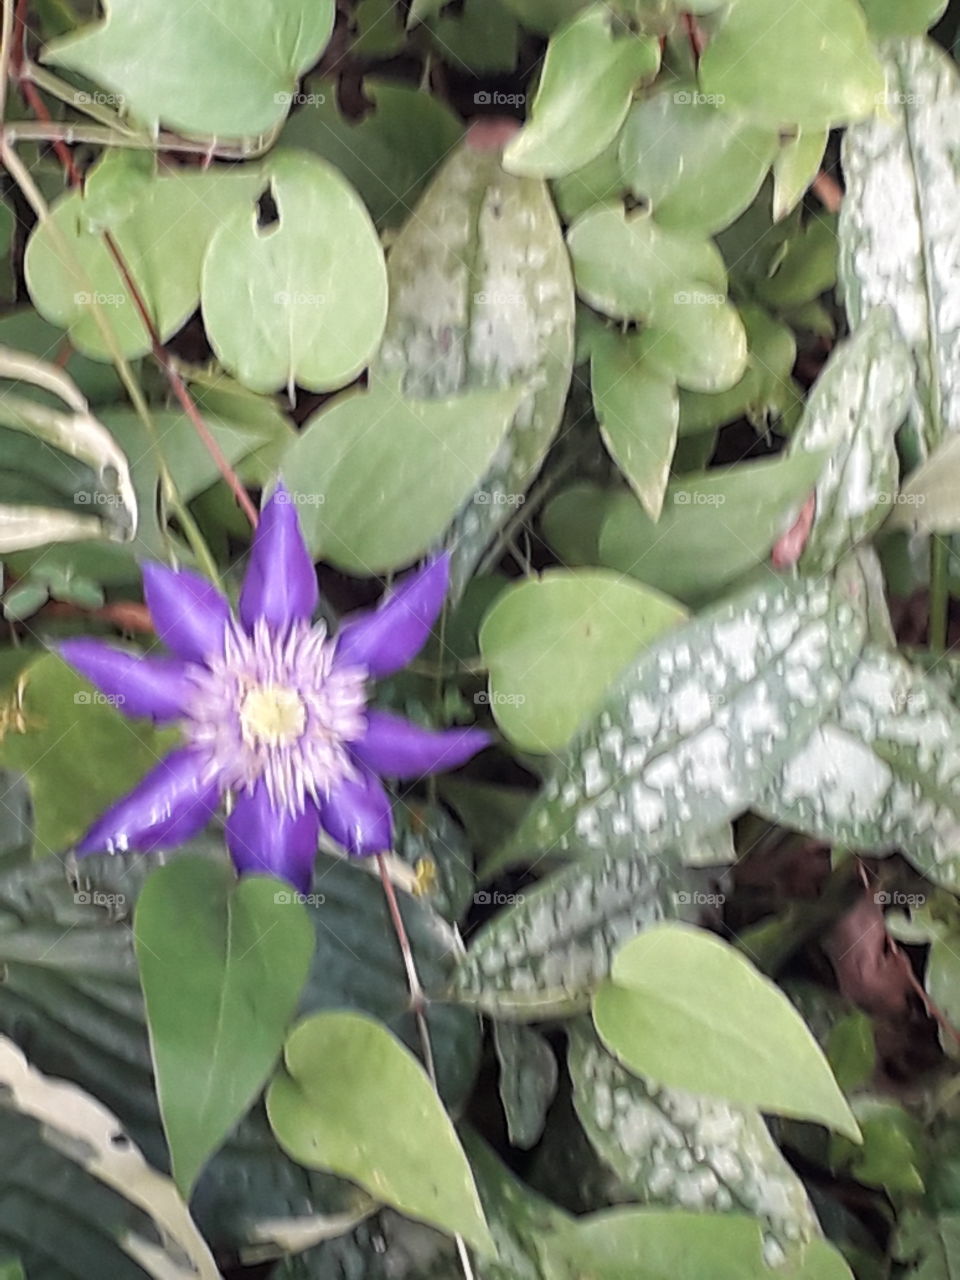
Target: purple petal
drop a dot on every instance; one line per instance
(400, 749)
(386, 638)
(154, 687)
(357, 815)
(268, 841)
(169, 806)
(189, 613)
(281, 582)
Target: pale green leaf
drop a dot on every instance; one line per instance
(929, 501)
(303, 300)
(696, 164)
(244, 62)
(422, 460)
(344, 1074)
(675, 986)
(806, 62)
(795, 167)
(591, 70)
(569, 629)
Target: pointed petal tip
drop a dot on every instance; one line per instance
(189, 613)
(280, 584)
(386, 638)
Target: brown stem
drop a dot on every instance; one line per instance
(179, 387)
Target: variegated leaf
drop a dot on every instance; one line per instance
(859, 402)
(899, 232)
(680, 1150)
(882, 772)
(691, 732)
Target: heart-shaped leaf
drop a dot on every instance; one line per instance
(353, 1100)
(222, 964)
(674, 986)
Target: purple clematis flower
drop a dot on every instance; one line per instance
(273, 710)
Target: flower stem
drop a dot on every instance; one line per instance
(417, 1003)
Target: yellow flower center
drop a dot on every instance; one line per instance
(273, 715)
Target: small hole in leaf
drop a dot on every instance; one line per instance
(119, 1140)
(267, 213)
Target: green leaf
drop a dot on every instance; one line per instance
(545, 15)
(887, 18)
(162, 234)
(569, 629)
(881, 772)
(716, 526)
(390, 154)
(304, 300)
(675, 986)
(930, 498)
(572, 522)
(853, 414)
(421, 459)
(766, 389)
(897, 255)
(696, 337)
(528, 1080)
(244, 63)
(681, 1150)
(696, 164)
(60, 736)
(112, 1214)
(629, 268)
(797, 164)
(639, 413)
(810, 64)
(644, 1244)
(592, 68)
(222, 964)
(344, 1072)
(499, 311)
(893, 1151)
(481, 36)
(547, 951)
(929, 1243)
(684, 736)
(71, 993)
